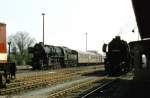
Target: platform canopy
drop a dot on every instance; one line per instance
(142, 13)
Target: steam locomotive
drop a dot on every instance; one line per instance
(117, 58)
(52, 57)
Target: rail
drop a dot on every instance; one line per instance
(100, 88)
(68, 90)
(26, 83)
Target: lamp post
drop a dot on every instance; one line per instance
(9, 51)
(43, 27)
(137, 32)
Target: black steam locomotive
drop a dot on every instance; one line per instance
(48, 56)
(117, 58)
(53, 57)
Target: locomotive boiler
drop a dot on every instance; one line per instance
(117, 58)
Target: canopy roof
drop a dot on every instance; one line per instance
(141, 9)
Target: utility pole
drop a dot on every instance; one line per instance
(43, 42)
(86, 40)
(43, 27)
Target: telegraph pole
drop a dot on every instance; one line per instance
(86, 40)
(43, 27)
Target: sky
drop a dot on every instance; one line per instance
(67, 21)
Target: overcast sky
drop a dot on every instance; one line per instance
(67, 21)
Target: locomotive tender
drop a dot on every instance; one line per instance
(51, 57)
(117, 58)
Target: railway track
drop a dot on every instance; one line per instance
(27, 75)
(108, 89)
(98, 89)
(53, 74)
(88, 89)
(39, 80)
(74, 88)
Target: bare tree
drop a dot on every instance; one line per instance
(21, 41)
